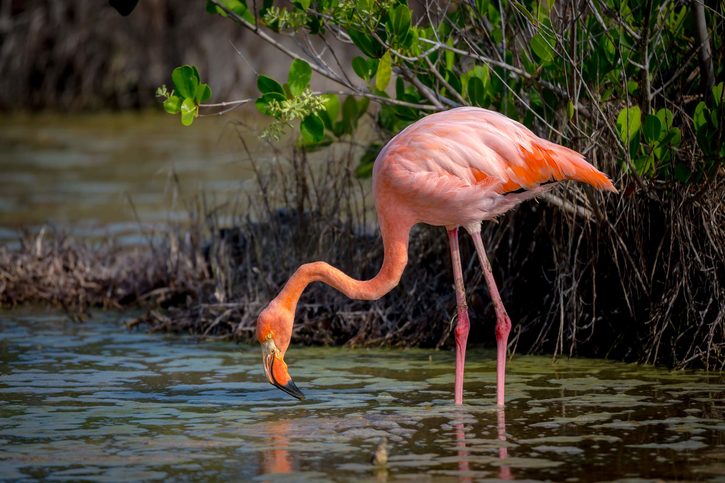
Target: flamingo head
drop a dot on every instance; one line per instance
(274, 331)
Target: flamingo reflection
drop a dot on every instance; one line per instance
(464, 468)
(276, 458)
(504, 472)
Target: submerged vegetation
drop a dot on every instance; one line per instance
(635, 86)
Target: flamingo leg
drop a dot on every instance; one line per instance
(463, 325)
(504, 471)
(503, 322)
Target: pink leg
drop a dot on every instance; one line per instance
(463, 325)
(503, 323)
(463, 456)
(504, 471)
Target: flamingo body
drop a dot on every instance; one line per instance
(466, 165)
(454, 168)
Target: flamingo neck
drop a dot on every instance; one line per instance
(395, 244)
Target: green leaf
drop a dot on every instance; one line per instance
(237, 6)
(266, 84)
(610, 51)
(211, 8)
(570, 109)
(450, 55)
(399, 88)
(628, 123)
(329, 124)
(632, 86)
(362, 106)
(480, 71)
(384, 72)
(188, 111)
(186, 79)
(364, 68)
(312, 129)
(699, 118)
(349, 115)
(349, 109)
(262, 103)
(682, 173)
(673, 137)
(366, 43)
(476, 92)
(299, 77)
(203, 93)
(652, 128)
(400, 21)
(361, 67)
(541, 48)
(455, 82)
(663, 152)
(717, 93)
(332, 105)
(665, 116)
(172, 105)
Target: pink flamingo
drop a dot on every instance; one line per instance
(452, 169)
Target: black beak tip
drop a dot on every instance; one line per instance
(292, 389)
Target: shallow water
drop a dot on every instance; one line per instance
(92, 401)
(79, 171)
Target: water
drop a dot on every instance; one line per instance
(79, 172)
(92, 401)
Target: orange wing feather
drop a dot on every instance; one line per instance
(468, 164)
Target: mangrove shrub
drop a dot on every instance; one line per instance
(635, 86)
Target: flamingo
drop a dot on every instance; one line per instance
(453, 169)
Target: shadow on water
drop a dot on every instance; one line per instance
(94, 402)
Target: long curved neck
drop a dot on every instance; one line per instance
(395, 243)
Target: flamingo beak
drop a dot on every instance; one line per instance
(276, 370)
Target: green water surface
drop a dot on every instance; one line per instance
(98, 174)
(92, 401)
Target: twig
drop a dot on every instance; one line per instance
(267, 38)
(421, 88)
(382, 100)
(445, 83)
(503, 65)
(576, 210)
(707, 75)
(227, 103)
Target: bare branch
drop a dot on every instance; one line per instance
(267, 38)
(503, 65)
(445, 83)
(227, 103)
(382, 100)
(707, 75)
(421, 88)
(576, 210)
